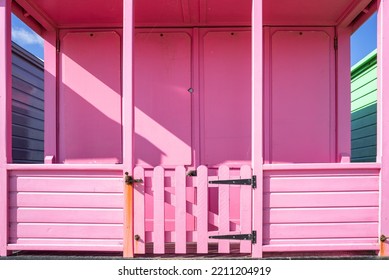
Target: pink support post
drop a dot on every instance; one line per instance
(257, 128)
(128, 96)
(343, 90)
(5, 118)
(383, 120)
(50, 79)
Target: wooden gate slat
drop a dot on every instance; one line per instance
(159, 210)
(245, 209)
(202, 210)
(180, 210)
(139, 216)
(224, 209)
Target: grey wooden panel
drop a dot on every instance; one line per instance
(27, 107)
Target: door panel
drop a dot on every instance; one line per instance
(301, 93)
(226, 98)
(163, 75)
(90, 128)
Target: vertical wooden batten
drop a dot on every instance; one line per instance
(257, 126)
(383, 119)
(128, 116)
(5, 118)
(50, 93)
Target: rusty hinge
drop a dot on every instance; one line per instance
(129, 180)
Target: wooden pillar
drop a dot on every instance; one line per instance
(257, 123)
(383, 119)
(5, 117)
(128, 123)
(343, 90)
(51, 86)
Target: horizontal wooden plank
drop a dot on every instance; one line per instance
(320, 215)
(66, 215)
(330, 230)
(18, 106)
(363, 159)
(366, 110)
(63, 241)
(364, 101)
(364, 121)
(66, 247)
(19, 155)
(321, 199)
(26, 132)
(321, 183)
(72, 200)
(33, 230)
(26, 94)
(364, 142)
(360, 80)
(321, 247)
(322, 241)
(25, 143)
(364, 132)
(364, 152)
(27, 121)
(370, 87)
(66, 184)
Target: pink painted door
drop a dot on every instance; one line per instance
(300, 119)
(163, 102)
(90, 129)
(226, 97)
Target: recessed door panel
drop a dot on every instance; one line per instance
(163, 77)
(226, 98)
(90, 129)
(301, 96)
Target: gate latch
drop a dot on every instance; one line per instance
(129, 180)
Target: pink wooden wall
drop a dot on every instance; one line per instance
(90, 113)
(275, 98)
(216, 100)
(300, 83)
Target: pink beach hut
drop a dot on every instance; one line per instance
(232, 119)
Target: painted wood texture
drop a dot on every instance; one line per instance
(324, 207)
(311, 80)
(364, 109)
(27, 107)
(179, 209)
(159, 102)
(226, 75)
(90, 75)
(54, 210)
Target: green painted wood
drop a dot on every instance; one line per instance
(364, 110)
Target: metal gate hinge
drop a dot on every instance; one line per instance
(252, 236)
(252, 182)
(129, 180)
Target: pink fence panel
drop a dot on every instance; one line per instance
(172, 212)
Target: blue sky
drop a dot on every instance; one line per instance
(363, 41)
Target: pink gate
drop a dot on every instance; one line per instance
(177, 213)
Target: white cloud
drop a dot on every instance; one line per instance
(24, 37)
